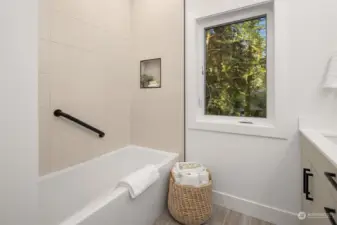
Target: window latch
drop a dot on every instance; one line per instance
(199, 102)
(246, 122)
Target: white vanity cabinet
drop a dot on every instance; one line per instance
(319, 194)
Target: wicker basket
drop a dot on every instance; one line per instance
(190, 205)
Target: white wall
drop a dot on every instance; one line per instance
(157, 115)
(84, 70)
(262, 176)
(314, 47)
(18, 114)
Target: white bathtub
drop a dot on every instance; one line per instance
(86, 195)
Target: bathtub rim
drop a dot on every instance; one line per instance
(170, 155)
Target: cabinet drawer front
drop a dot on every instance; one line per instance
(322, 166)
(324, 202)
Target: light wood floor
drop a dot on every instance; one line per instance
(221, 216)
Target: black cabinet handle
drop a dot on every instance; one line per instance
(306, 175)
(331, 217)
(331, 177)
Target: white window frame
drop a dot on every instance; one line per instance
(196, 118)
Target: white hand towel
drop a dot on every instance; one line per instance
(140, 180)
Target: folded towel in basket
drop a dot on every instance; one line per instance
(139, 181)
(190, 173)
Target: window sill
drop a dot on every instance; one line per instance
(235, 127)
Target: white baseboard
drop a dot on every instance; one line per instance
(254, 209)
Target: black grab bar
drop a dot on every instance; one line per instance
(58, 113)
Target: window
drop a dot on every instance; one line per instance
(230, 74)
(236, 69)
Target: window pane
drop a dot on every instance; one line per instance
(236, 70)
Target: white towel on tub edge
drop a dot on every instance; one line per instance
(140, 180)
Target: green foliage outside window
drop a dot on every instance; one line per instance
(236, 69)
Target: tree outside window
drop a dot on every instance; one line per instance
(236, 69)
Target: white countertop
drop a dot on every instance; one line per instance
(327, 147)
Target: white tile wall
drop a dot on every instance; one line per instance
(158, 114)
(70, 31)
(85, 58)
(44, 138)
(44, 56)
(44, 19)
(44, 91)
(84, 67)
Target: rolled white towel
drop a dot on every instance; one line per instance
(190, 173)
(204, 177)
(176, 174)
(139, 181)
(191, 179)
(191, 167)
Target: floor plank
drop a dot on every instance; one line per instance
(221, 216)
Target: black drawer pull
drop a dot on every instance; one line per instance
(331, 217)
(306, 175)
(331, 177)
